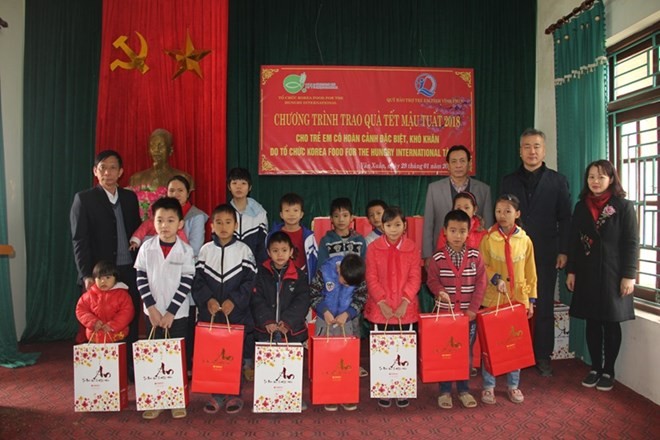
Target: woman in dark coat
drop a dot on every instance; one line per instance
(602, 266)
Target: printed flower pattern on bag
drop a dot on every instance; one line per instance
(173, 397)
(270, 355)
(146, 351)
(86, 354)
(387, 343)
(405, 387)
(146, 196)
(108, 401)
(287, 402)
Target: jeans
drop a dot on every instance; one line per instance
(462, 385)
(512, 379)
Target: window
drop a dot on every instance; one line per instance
(634, 133)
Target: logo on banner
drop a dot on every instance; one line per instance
(425, 84)
(295, 83)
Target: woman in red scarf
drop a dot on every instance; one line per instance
(602, 266)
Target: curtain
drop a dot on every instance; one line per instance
(581, 93)
(60, 88)
(133, 102)
(9, 355)
(383, 33)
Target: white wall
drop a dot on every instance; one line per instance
(639, 358)
(11, 88)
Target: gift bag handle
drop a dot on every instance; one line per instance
(450, 306)
(213, 318)
(497, 307)
(327, 332)
(387, 321)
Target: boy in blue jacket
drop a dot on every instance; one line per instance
(338, 293)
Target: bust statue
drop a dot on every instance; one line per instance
(151, 184)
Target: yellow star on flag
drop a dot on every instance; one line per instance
(189, 58)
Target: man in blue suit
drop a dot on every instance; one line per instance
(545, 207)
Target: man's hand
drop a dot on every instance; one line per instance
(561, 261)
(570, 281)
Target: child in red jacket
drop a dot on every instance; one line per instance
(106, 309)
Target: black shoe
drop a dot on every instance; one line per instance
(544, 368)
(605, 383)
(591, 380)
(402, 403)
(384, 403)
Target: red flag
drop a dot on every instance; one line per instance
(164, 65)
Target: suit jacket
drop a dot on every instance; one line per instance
(439, 202)
(94, 226)
(546, 216)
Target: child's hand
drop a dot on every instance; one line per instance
(470, 314)
(530, 311)
(98, 325)
(106, 328)
(133, 246)
(154, 316)
(88, 282)
(501, 286)
(385, 310)
(328, 317)
(444, 296)
(341, 318)
(227, 306)
(570, 281)
(271, 328)
(282, 328)
(167, 320)
(401, 310)
(213, 305)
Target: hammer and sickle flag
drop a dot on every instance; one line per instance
(136, 61)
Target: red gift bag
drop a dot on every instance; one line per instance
(476, 354)
(311, 331)
(444, 341)
(217, 358)
(335, 369)
(506, 344)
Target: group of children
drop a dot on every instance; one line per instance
(268, 282)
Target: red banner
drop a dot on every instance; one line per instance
(363, 120)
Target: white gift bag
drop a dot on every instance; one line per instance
(393, 356)
(161, 379)
(278, 377)
(100, 380)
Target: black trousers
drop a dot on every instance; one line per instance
(604, 342)
(544, 313)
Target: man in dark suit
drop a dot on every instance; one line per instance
(103, 219)
(545, 207)
(440, 197)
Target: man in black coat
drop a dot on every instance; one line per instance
(545, 206)
(103, 218)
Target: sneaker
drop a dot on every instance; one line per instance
(363, 372)
(515, 395)
(349, 406)
(591, 380)
(473, 372)
(384, 403)
(544, 368)
(402, 403)
(605, 383)
(331, 408)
